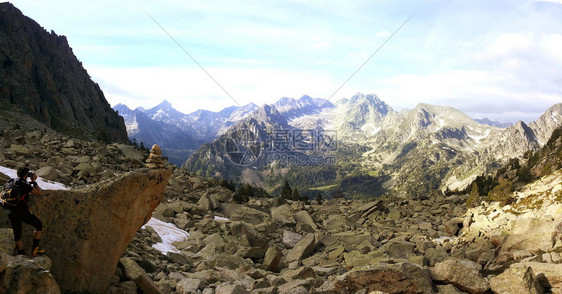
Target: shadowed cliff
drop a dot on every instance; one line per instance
(41, 77)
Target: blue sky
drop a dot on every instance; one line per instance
(497, 59)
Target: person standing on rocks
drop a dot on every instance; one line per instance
(21, 212)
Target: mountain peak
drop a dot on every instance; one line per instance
(372, 98)
(365, 102)
(165, 104)
(121, 107)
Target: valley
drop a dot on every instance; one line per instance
(296, 196)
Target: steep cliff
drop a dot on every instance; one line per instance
(41, 77)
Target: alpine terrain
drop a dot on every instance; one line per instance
(180, 134)
(367, 148)
(463, 207)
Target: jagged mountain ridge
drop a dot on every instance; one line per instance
(177, 133)
(441, 145)
(487, 121)
(42, 77)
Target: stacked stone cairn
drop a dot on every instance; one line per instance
(155, 158)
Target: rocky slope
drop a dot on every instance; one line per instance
(41, 77)
(85, 229)
(427, 245)
(431, 245)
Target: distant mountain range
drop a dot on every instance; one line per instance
(498, 124)
(374, 147)
(361, 141)
(179, 134)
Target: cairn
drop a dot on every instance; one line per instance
(155, 158)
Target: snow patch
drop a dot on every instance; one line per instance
(159, 114)
(479, 138)
(441, 122)
(169, 234)
(44, 184)
(554, 115)
(370, 129)
(443, 239)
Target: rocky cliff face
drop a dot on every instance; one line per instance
(41, 77)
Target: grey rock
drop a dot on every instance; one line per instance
(135, 273)
(282, 214)
(516, 280)
(188, 286)
(303, 217)
(290, 239)
(231, 289)
(272, 259)
(301, 250)
(387, 278)
(463, 274)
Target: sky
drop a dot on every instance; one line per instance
(499, 59)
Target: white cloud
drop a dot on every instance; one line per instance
(509, 44)
(517, 76)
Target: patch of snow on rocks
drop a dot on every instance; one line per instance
(220, 218)
(169, 234)
(44, 184)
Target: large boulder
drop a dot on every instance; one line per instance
(551, 274)
(136, 274)
(272, 259)
(86, 231)
(208, 201)
(517, 280)
(303, 217)
(282, 214)
(386, 278)
(47, 172)
(531, 234)
(20, 150)
(21, 275)
(301, 250)
(249, 215)
(463, 274)
(290, 239)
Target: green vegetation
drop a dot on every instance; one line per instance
(286, 192)
(319, 199)
(503, 192)
(516, 173)
(473, 199)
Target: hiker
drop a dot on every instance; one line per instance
(21, 212)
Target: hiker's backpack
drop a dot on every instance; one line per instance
(10, 195)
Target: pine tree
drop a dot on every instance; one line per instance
(319, 199)
(296, 196)
(474, 196)
(502, 192)
(240, 195)
(286, 192)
